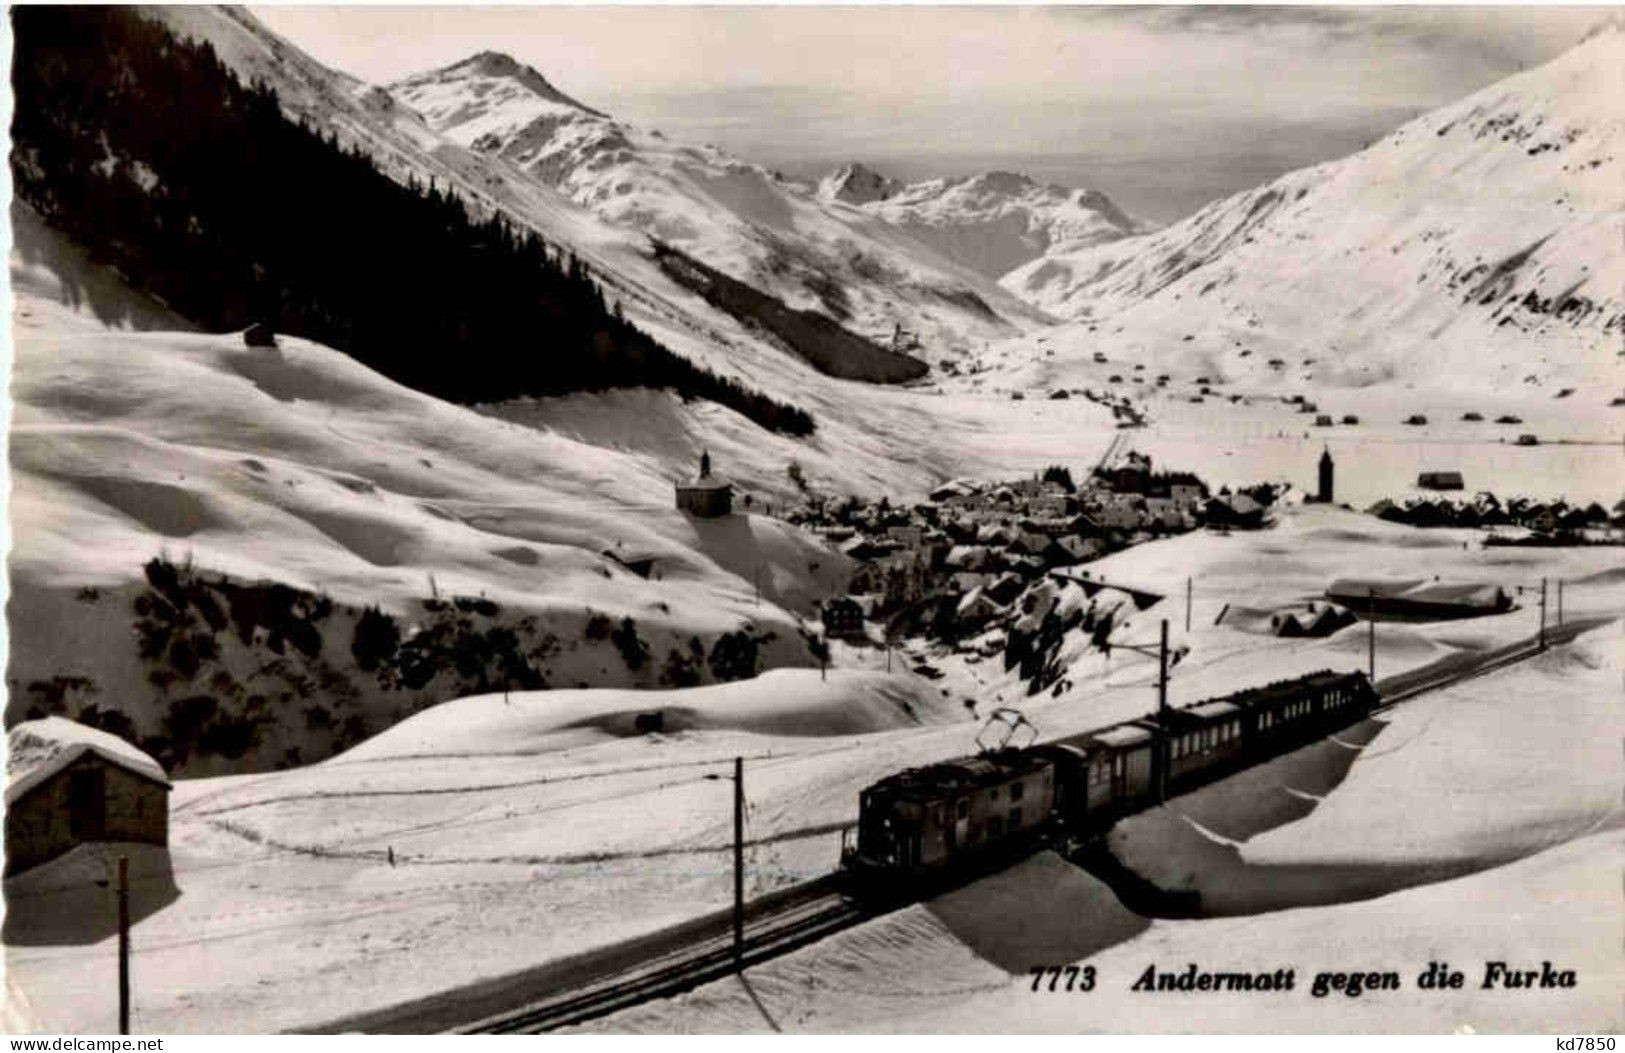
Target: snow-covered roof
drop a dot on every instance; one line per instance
(1209, 710)
(1122, 736)
(38, 749)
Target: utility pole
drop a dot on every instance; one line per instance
(1543, 614)
(1162, 711)
(1371, 638)
(739, 863)
(1188, 604)
(1559, 601)
(123, 945)
(1162, 672)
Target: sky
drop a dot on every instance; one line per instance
(1162, 108)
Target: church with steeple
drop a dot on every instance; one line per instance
(1324, 496)
(706, 496)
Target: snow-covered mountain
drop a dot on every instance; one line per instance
(993, 222)
(1481, 244)
(747, 221)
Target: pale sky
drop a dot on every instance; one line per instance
(1161, 108)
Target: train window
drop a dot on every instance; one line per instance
(1015, 791)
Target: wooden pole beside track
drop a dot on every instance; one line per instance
(123, 945)
(1543, 614)
(1162, 710)
(1371, 638)
(1188, 604)
(1559, 601)
(739, 863)
(1162, 671)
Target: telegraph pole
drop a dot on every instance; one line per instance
(1188, 604)
(1559, 601)
(1162, 712)
(1543, 614)
(739, 863)
(1162, 672)
(1371, 638)
(123, 945)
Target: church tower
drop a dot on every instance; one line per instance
(1326, 469)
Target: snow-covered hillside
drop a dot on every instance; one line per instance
(991, 223)
(297, 467)
(741, 218)
(1478, 246)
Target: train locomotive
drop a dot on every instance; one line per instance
(958, 815)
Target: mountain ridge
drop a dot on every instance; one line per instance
(1479, 240)
(741, 218)
(992, 222)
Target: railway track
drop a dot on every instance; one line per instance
(682, 969)
(1458, 668)
(801, 915)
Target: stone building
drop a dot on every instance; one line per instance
(70, 784)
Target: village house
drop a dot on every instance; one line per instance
(908, 536)
(1081, 548)
(1186, 495)
(1051, 505)
(1236, 512)
(843, 618)
(1441, 481)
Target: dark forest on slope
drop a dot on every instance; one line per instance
(149, 152)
